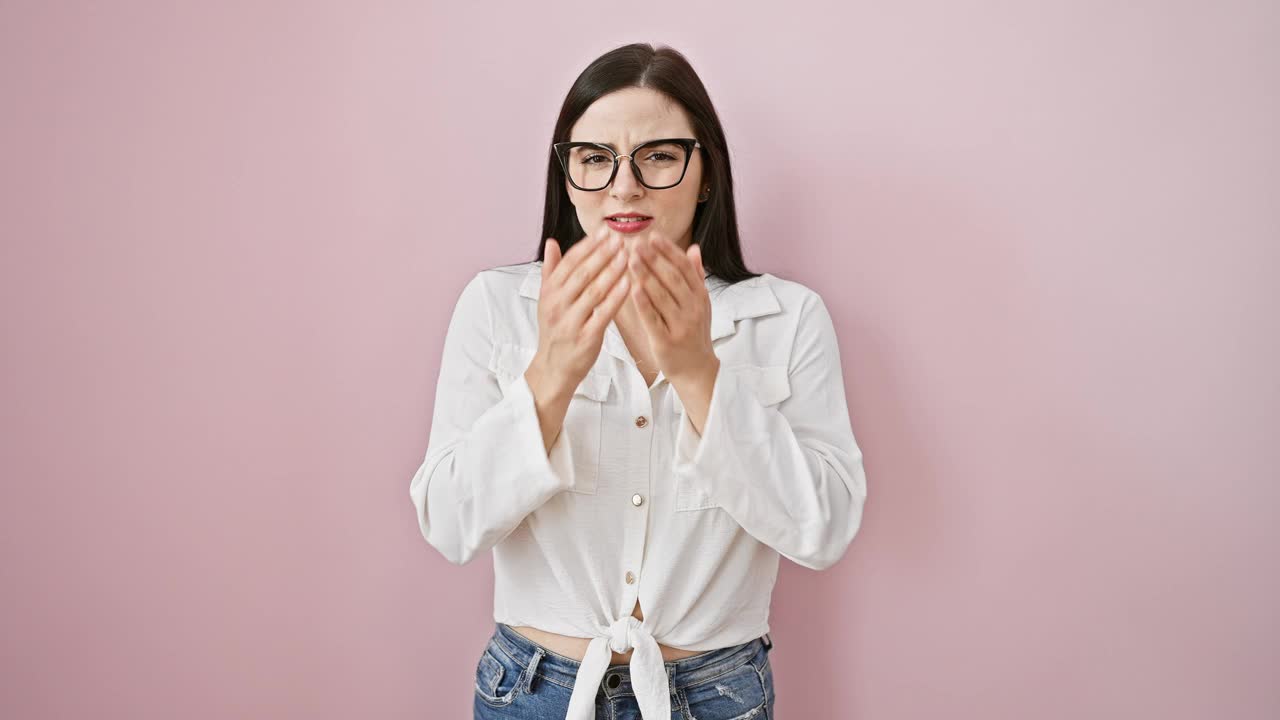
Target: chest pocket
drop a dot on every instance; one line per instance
(769, 385)
(583, 421)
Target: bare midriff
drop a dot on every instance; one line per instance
(576, 647)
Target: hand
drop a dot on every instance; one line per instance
(670, 295)
(581, 292)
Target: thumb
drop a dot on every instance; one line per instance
(550, 257)
(694, 253)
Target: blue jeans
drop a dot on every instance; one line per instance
(518, 678)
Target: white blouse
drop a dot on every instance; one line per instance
(631, 503)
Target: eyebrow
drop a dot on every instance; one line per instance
(611, 147)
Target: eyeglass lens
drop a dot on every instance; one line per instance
(660, 164)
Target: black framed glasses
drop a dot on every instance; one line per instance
(657, 164)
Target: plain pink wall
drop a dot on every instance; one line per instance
(233, 234)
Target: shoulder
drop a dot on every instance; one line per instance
(507, 276)
(494, 285)
(802, 318)
(791, 293)
(794, 299)
(514, 272)
(809, 321)
(504, 299)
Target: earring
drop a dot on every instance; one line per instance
(705, 194)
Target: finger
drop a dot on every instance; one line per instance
(679, 265)
(668, 273)
(598, 289)
(550, 257)
(690, 262)
(653, 323)
(580, 277)
(656, 294)
(698, 273)
(577, 253)
(608, 308)
(658, 290)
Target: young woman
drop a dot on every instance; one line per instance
(636, 426)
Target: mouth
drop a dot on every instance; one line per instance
(629, 222)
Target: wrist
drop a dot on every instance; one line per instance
(703, 376)
(548, 385)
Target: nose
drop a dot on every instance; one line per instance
(625, 184)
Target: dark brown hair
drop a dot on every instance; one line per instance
(639, 65)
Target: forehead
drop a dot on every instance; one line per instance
(629, 117)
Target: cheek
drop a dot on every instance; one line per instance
(682, 204)
(585, 202)
(588, 209)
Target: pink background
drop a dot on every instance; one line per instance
(232, 238)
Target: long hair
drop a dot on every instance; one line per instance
(715, 222)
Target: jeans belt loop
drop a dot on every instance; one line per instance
(532, 669)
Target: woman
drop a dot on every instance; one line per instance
(637, 427)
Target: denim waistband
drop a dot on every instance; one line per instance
(680, 673)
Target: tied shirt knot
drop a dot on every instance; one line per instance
(648, 671)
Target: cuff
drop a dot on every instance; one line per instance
(555, 466)
(695, 454)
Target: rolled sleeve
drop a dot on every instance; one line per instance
(486, 467)
(528, 438)
(789, 472)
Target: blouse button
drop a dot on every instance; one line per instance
(637, 500)
(631, 578)
(641, 421)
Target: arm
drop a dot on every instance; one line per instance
(493, 456)
(790, 474)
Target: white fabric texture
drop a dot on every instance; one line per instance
(632, 503)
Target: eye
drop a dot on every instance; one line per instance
(661, 156)
(594, 160)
